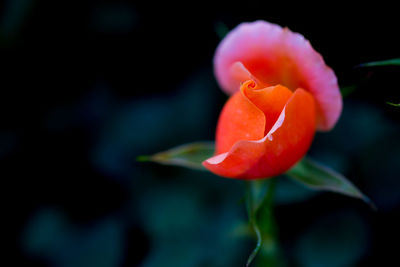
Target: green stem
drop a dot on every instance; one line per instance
(262, 221)
(251, 212)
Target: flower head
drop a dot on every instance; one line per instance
(282, 91)
(271, 55)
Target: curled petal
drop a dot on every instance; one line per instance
(270, 100)
(239, 73)
(239, 120)
(271, 55)
(284, 144)
(249, 114)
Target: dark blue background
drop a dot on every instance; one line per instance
(87, 86)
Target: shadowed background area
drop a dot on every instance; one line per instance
(87, 86)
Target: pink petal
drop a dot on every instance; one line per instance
(273, 55)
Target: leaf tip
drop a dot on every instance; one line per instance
(370, 203)
(388, 62)
(393, 104)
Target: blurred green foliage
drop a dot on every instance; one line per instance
(340, 239)
(88, 88)
(51, 236)
(193, 218)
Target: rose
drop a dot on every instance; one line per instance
(282, 92)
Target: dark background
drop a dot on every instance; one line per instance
(87, 86)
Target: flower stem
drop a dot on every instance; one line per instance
(260, 196)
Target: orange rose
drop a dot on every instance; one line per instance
(282, 92)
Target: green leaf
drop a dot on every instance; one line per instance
(319, 177)
(389, 62)
(188, 155)
(393, 104)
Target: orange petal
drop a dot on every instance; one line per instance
(269, 100)
(239, 120)
(284, 145)
(249, 114)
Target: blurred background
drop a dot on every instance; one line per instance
(87, 86)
